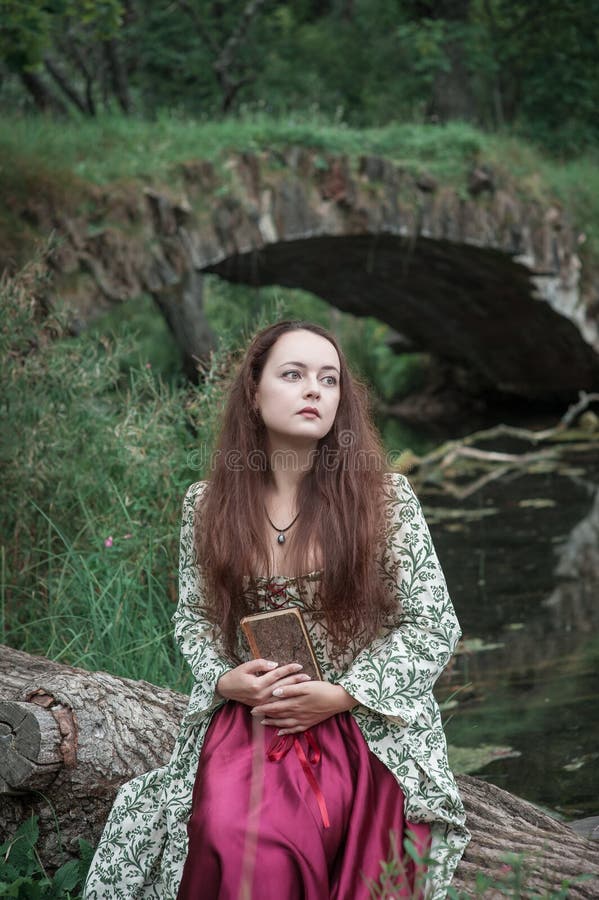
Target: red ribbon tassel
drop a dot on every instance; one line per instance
(279, 748)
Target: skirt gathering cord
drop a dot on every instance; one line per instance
(257, 826)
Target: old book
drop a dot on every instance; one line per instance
(282, 636)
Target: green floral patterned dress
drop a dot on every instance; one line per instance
(144, 844)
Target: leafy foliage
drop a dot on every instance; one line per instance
(496, 63)
(23, 876)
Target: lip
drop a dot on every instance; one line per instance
(309, 410)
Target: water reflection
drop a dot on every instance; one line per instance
(522, 563)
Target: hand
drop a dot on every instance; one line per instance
(252, 682)
(294, 708)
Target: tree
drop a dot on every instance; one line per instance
(223, 28)
(66, 53)
(545, 54)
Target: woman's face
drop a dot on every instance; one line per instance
(302, 370)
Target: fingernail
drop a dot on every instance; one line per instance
(272, 665)
(278, 692)
(263, 721)
(297, 667)
(305, 677)
(279, 733)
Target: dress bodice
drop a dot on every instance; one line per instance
(278, 591)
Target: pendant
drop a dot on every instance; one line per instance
(280, 539)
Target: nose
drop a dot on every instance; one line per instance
(312, 390)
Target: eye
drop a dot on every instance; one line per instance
(330, 380)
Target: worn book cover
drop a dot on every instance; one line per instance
(282, 636)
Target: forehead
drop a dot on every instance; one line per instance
(303, 346)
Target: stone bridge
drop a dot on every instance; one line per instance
(481, 274)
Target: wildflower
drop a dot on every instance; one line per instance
(127, 536)
(148, 365)
(108, 541)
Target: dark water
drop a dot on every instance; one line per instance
(521, 557)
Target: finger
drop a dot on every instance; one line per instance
(280, 723)
(281, 672)
(284, 683)
(271, 708)
(258, 666)
(275, 706)
(291, 690)
(298, 729)
(264, 693)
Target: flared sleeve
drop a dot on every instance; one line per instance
(394, 674)
(197, 638)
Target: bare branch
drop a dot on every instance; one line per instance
(249, 13)
(444, 457)
(198, 21)
(64, 85)
(224, 62)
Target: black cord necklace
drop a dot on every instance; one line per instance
(281, 534)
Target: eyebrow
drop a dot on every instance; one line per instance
(302, 365)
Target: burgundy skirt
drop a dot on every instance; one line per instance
(303, 817)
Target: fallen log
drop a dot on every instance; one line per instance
(69, 738)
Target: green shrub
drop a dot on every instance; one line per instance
(23, 876)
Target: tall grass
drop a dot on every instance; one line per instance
(96, 456)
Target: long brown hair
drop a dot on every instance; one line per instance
(339, 501)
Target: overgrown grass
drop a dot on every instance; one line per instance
(40, 154)
(97, 450)
(96, 458)
(114, 147)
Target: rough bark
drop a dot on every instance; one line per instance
(98, 731)
(451, 90)
(502, 824)
(103, 730)
(180, 300)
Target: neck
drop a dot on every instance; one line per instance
(289, 463)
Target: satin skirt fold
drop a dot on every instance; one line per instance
(309, 820)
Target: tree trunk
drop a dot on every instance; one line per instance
(452, 92)
(65, 86)
(179, 297)
(42, 96)
(95, 731)
(77, 736)
(118, 75)
(503, 824)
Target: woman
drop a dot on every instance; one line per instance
(280, 785)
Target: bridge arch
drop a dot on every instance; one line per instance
(478, 277)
